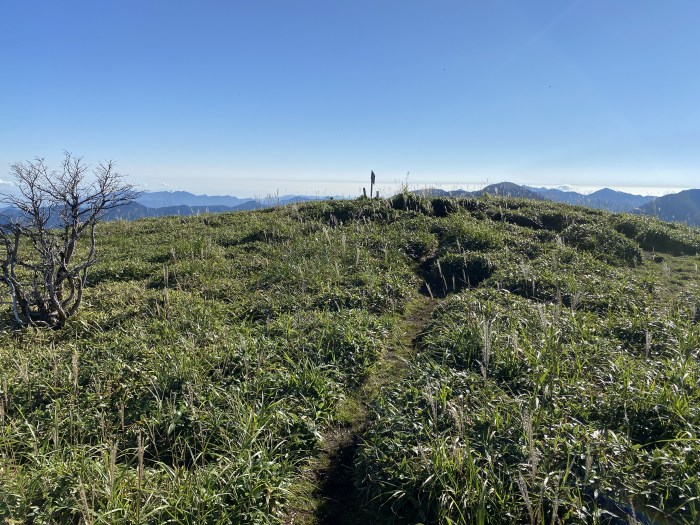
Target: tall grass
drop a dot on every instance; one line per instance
(210, 356)
(557, 379)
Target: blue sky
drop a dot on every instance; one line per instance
(254, 97)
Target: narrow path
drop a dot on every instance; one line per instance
(330, 496)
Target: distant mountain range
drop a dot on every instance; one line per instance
(164, 199)
(135, 210)
(605, 199)
(162, 203)
(503, 189)
(678, 207)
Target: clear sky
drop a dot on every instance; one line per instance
(255, 97)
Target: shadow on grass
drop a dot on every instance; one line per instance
(341, 503)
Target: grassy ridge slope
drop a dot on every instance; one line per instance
(214, 353)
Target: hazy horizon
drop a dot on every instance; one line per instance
(394, 187)
(354, 188)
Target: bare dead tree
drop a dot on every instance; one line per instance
(45, 264)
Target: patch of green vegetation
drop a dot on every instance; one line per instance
(556, 389)
(198, 379)
(217, 358)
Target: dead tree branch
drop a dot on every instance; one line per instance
(45, 264)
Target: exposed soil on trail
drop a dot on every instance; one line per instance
(340, 502)
(333, 497)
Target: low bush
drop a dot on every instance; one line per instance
(608, 245)
(653, 235)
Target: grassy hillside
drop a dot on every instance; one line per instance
(387, 361)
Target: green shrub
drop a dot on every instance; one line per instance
(555, 220)
(653, 235)
(444, 206)
(521, 219)
(608, 245)
(465, 233)
(420, 245)
(406, 201)
(455, 271)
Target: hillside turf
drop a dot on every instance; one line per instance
(555, 378)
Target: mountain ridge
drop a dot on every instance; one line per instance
(677, 207)
(501, 189)
(604, 198)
